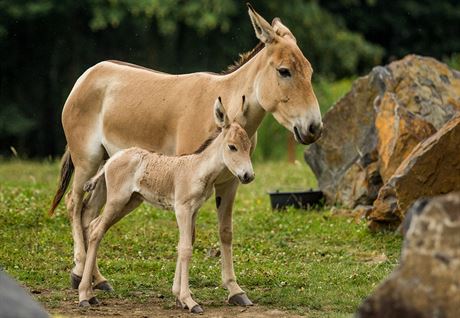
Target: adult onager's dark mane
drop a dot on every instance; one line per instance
(244, 58)
(206, 143)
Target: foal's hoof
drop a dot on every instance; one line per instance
(240, 300)
(105, 286)
(196, 309)
(75, 280)
(84, 304)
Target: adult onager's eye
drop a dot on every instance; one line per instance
(232, 148)
(284, 72)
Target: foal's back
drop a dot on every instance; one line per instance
(149, 174)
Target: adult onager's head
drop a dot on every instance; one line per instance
(283, 86)
(236, 145)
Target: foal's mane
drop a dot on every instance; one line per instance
(244, 58)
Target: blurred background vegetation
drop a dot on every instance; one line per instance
(46, 44)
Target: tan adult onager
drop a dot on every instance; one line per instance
(115, 105)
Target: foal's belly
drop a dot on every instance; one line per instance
(158, 200)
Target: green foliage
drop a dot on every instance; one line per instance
(403, 26)
(329, 263)
(201, 15)
(453, 61)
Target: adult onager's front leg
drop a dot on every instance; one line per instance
(181, 288)
(225, 196)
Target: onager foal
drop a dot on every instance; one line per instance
(182, 183)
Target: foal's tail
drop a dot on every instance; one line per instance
(91, 183)
(67, 169)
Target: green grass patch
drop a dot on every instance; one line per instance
(310, 262)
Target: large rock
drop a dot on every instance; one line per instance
(432, 168)
(427, 281)
(15, 302)
(398, 131)
(418, 95)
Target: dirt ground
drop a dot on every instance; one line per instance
(152, 307)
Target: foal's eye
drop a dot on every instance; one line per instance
(284, 72)
(232, 148)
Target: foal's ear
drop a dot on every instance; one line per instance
(264, 30)
(220, 115)
(282, 30)
(241, 116)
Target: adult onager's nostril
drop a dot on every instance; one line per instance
(314, 129)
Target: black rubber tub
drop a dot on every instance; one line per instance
(297, 199)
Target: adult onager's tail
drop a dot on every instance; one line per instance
(67, 169)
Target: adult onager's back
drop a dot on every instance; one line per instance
(115, 106)
(182, 183)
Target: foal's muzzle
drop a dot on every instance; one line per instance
(246, 177)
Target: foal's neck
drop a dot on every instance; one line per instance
(210, 160)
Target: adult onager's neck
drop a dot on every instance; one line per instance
(242, 82)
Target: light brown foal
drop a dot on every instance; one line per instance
(181, 183)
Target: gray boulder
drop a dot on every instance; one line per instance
(15, 302)
(427, 281)
(408, 99)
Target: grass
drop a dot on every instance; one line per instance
(309, 262)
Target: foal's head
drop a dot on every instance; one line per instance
(235, 146)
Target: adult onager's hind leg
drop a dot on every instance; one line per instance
(113, 212)
(82, 174)
(90, 211)
(185, 222)
(225, 196)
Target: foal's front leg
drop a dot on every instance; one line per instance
(185, 220)
(225, 196)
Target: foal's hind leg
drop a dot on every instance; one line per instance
(113, 212)
(90, 211)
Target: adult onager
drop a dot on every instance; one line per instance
(116, 105)
(182, 183)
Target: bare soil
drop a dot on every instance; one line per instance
(151, 307)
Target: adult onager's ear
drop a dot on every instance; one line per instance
(240, 118)
(282, 30)
(220, 115)
(264, 30)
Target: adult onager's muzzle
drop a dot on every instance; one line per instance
(310, 134)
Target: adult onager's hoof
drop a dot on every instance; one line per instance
(75, 280)
(240, 300)
(105, 286)
(94, 301)
(84, 304)
(196, 309)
